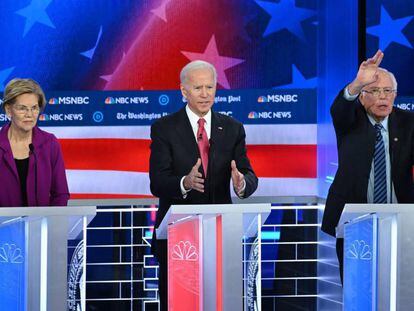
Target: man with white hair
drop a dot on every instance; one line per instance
(375, 142)
(195, 152)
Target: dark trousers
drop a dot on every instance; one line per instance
(340, 255)
(162, 256)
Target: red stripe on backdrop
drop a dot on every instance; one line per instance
(133, 155)
(283, 160)
(106, 154)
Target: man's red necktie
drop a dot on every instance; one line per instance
(203, 145)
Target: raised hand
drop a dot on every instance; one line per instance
(237, 177)
(194, 178)
(367, 73)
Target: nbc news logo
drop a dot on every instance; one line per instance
(43, 117)
(109, 101)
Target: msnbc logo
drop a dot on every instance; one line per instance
(109, 101)
(278, 98)
(53, 101)
(253, 115)
(43, 117)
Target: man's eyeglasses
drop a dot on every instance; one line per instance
(25, 110)
(377, 92)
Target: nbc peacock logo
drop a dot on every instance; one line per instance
(184, 251)
(109, 101)
(10, 253)
(262, 99)
(53, 101)
(359, 249)
(253, 115)
(43, 117)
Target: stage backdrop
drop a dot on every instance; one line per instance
(110, 68)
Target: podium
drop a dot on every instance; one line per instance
(378, 256)
(34, 247)
(207, 258)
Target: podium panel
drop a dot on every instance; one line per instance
(360, 264)
(12, 266)
(208, 267)
(34, 247)
(378, 256)
(185, 283)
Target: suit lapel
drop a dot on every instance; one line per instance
(217, 131)
(216, 140)
(214, 131)
(7, 152)
(369, 138)
(185, 132)
(8, 158)
(394, 137)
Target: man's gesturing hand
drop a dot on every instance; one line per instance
(237, 178)
(367, 73)
(194, 179)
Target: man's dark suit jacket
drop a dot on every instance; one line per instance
(174, 152)
(355, 138)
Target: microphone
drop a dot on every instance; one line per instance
(32, 148)
(200, 137)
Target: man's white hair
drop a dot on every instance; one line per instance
(196, 64)
(394, 81)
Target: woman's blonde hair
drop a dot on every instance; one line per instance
(18, 86)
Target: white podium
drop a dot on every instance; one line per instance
(34, 255)
(206, 258)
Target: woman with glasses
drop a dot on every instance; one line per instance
(32, 172)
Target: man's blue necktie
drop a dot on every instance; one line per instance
(380, 173)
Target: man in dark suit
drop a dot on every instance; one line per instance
(195, 152)
(375, 146)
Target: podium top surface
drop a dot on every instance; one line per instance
(206, 209)
(179, 212)
(48, 211)
(352, 211)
